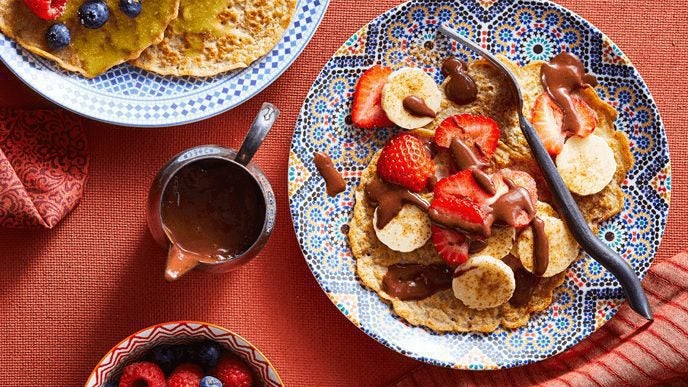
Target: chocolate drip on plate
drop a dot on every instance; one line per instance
(334, 182)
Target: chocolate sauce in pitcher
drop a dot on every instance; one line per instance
(212, 210)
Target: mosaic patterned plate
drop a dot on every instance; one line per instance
(523, 31)
(129, 96)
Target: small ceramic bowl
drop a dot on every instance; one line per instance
(136, 346)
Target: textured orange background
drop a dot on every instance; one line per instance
(68, 295)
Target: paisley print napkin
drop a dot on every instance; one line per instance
(43, 166)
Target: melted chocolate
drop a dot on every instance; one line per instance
(561, 77)
(460, 88)
(465, 158)
(417, 107)
(511, 206)
(415, 281)
(476, 245)
(212, 210)
(540, 247)
(333, 179)
(526, 282)
(389, 199)
(450, 221)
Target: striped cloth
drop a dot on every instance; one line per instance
(625, 351)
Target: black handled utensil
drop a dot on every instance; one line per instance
(567, 206)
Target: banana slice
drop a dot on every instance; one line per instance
(483, 282)
(544, 209)
(563, 249)
(500, 243)
(409, 81)
(408, 231)
(586, 164)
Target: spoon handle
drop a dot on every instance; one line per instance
(256, 134)
(579, 227)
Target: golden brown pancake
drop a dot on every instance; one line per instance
(210, 37)
(443, 311)
(92, 51)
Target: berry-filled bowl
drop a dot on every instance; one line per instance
(184, 353)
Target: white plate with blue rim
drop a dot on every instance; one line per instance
(126, 95)
(522, 30)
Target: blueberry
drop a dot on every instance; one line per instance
(165, 357)
(210, 381)
(58, 36)
(93, 14)
(208, 353)
(184, 353)
(131, 8)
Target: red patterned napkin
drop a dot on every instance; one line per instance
(43, 166)
(625, 351)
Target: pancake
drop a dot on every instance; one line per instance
(92, 51)
(443, 311)
(210, 37)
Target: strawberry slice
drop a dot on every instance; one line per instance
(459, 212)
(366, 111)
(480, 132)
(586, 116)
(406, 162)
(522, 179)
(546, 118)
(47, 9)
(463, 184)
(451, 245)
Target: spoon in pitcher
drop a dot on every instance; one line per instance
(568, 208)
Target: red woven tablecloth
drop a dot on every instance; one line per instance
(68, 294)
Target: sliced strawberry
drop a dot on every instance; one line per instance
(406, 162)
(459, 212)
(461, 184)
(522, 179)
(586, 116)
(366, 111)
(547, 120)
(47, 9)
(451, 245)
(480, 132)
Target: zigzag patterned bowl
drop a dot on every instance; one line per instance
(126, 95)
(138, 344)
(523, 30)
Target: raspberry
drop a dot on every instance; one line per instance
(233, 372)
(186, 375)
(142, 372)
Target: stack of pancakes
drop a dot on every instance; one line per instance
(443, 311)
(170, 37)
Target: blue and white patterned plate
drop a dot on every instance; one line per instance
(129, 96)
(523, 31)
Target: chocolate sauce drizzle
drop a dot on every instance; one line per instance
(561, 77)
(460, 88)
(417, 107)
(334, 182)
(415, 281)
(389, 199)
